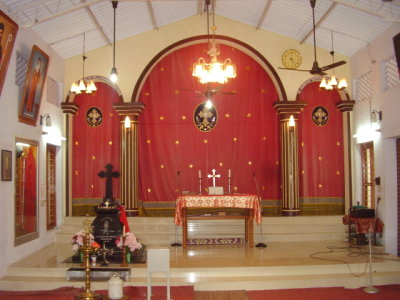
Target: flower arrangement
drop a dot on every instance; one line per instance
(77, 241)
(131, 242)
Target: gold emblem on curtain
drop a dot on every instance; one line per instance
(205, 118)
(320, 116)
(94, 116)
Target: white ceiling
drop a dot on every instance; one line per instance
(61, 23)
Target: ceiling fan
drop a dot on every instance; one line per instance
(316, 69)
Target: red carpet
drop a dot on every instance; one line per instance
(387, 292)
(69, 293)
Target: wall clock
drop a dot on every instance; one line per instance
(291, 59)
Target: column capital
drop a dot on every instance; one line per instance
(345, 105)
(69, 108)
(129, 108)
(287, 108)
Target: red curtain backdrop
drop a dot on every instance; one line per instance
(95, 147)
(321, 147)
(30, 191)
(245, 140)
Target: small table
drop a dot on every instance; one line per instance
(362, 226)
(245, 201)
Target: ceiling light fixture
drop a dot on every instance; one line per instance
(114, 73)
(330, 83)
(82, 86)
(214, 71)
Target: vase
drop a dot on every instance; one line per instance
(128, 257)
(81, 255)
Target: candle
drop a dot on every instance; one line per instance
(229, 173)
(123, 230)
(199, 174)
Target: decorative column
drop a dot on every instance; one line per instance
(346, 107)
(70, 109)
(289, 155)
(129, 155)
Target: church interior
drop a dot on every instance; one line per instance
(258, 141)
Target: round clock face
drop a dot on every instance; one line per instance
(291, 59)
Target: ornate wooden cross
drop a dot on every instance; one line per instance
(109, 176)
(213, 175)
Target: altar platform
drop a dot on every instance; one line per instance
(301, 252)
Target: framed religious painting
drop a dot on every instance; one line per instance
(34, 83)
(8, 33)
(6, 165)
(396, 43)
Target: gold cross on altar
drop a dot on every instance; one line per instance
(213, 175)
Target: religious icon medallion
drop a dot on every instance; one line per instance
(205, 118)
(320, 116)
(94, 116)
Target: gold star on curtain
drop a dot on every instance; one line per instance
(76, 172)
(76, 143)
(221, 164)
(250, 163)
(176, 92)
(111, 115)
(320, 186)
(184, 117)
(264, 138)
(148, 141)
(93, 157)
(162, 166)
(320, 158)
(149, 190)
(176, 142)
(205, 141)
(110, 143)
(161, 118)
(337, 172)
(162, 69)
(235, 139)
(191, 166)
(92, 186)
(227, 115)
(263, 91)
(338, 143)
(147, 94)
(248, 115)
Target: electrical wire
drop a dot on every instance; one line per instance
(353, 251)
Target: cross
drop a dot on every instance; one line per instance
(109, 176)
(213, 176)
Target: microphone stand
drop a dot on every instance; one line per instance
(176, 244)
(260, 244)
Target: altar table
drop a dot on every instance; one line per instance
(359, 227)
(245, 201)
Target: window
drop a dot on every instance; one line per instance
(368, 175)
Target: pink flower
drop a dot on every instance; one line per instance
(131, 242)
(77, 240)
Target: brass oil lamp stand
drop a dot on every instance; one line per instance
(87, 249)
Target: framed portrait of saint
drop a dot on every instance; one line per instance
(8, 33)
(34, 83)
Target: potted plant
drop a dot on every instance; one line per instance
(134, 249)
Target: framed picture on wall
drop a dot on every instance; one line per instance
(34, 83)
(8, 33)
(6, 165)
(396, 42)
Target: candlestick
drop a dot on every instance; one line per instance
(199, 185)
(229, 184)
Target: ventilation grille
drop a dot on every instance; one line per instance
(391, 74)
(364, 87)
(21, 69)
(53, 91)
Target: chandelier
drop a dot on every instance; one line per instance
(214, 71)
(331, 83)
(79, 87)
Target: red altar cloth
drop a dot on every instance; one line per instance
(364, 224)
(217, 201)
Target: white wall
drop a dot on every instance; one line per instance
(11, 128)
(372, 58)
